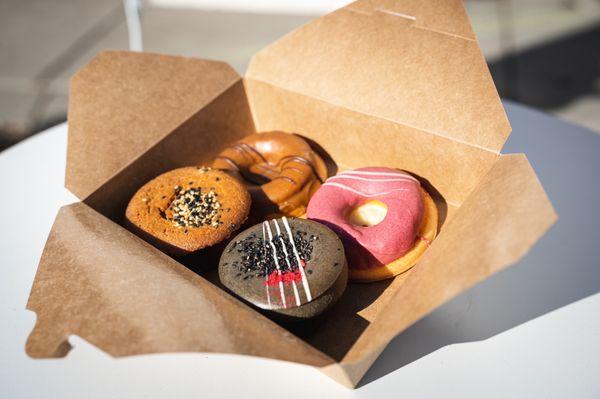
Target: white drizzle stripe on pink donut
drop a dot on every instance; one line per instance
(371, 173)
(386, 241)
(344, 187)
(342, 176)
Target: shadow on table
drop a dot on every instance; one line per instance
(562, 268)
(551, 74)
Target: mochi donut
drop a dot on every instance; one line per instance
(384, 217)
(292, 269)
(188, 209)
(280, 170)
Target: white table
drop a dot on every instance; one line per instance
(530, 331)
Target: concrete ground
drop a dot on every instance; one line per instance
(43, 42)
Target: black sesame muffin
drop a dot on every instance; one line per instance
(187, 209)
(293, 268)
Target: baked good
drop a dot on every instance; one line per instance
(187, 209)
(292, 268)
(384, 217)
(280, 170)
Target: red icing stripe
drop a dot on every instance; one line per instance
(275, 278)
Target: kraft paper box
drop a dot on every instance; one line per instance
(399, 84)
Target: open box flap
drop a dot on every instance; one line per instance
(102, 283)
(499, 222)
(415, 63)
(122, 103)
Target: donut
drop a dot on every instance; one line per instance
(280, 170)
(385, 218)
(187, 209)
(294, 269)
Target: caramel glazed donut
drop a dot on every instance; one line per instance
(384, 217)
(280, 170)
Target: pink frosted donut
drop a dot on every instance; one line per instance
(381, 243)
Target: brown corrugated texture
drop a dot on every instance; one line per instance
(408, 71)
(122, 103)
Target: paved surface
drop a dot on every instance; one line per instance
(43, 42)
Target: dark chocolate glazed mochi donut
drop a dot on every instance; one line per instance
(295, 268)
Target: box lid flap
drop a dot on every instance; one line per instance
(121, 103)
(414, 62)
(102, 283)
(496, 226)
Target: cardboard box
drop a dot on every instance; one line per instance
(399, 84)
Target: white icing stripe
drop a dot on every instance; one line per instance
(368, 179)
(287, 260)
(266, 274)
(370, 173)
(276, 262)
(291, 238)
(344, 187)
(296, 294)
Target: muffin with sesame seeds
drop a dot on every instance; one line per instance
(188, 209)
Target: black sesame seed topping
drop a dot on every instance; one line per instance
(193, 208)
(256, 254)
